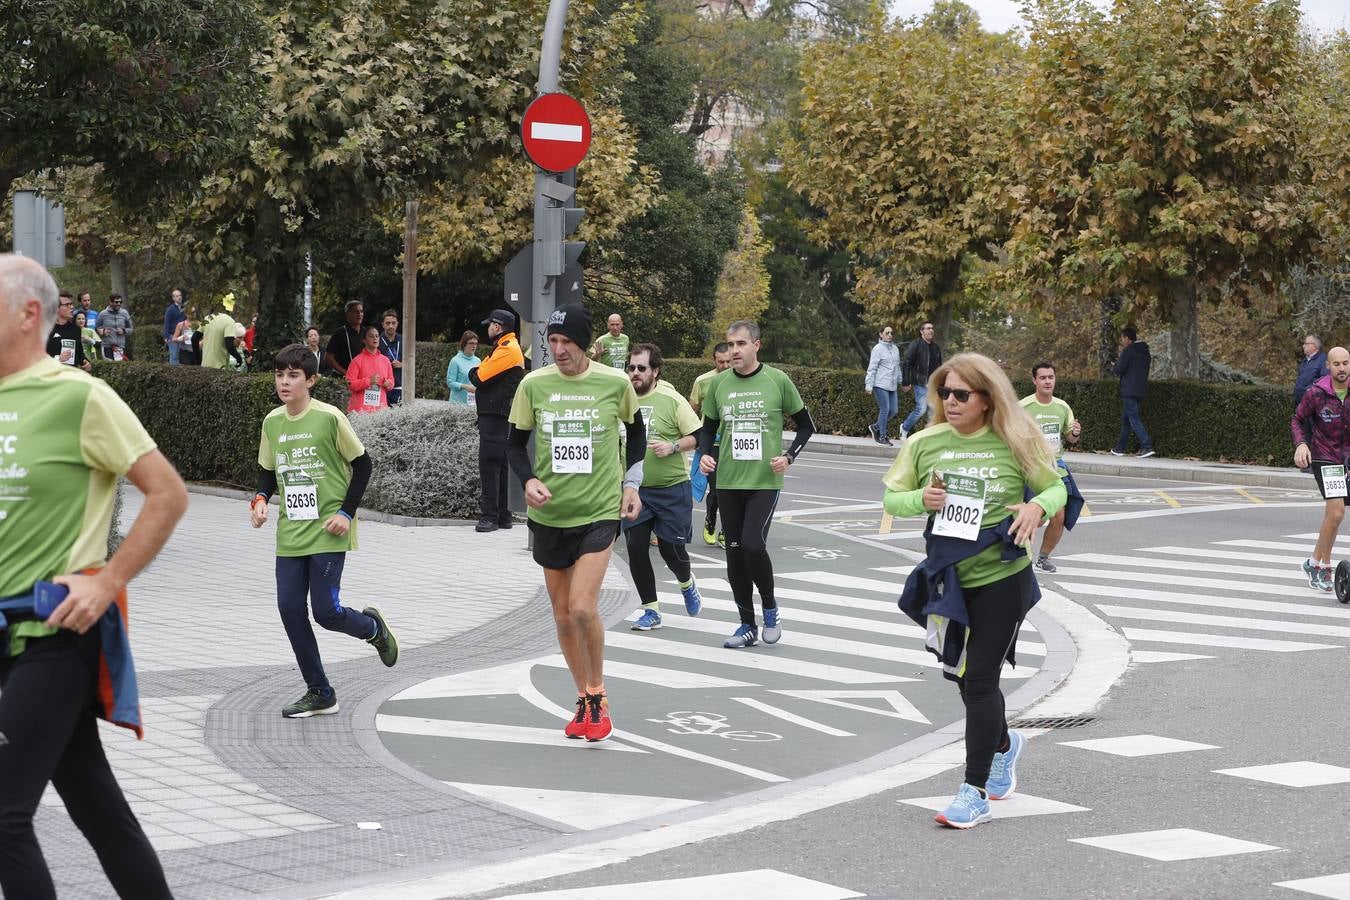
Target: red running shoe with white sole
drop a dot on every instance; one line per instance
(598, 724)
(576, 728)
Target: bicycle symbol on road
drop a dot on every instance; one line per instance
(814, 553)
(710, 725)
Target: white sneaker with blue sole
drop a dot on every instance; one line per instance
(1003, 773)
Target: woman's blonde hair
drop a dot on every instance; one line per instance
(1009, 420)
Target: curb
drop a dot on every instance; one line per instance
(369, 515)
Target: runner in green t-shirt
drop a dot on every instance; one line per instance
(309, 451)
(576, 490)
(744, 414)
(612, 348)
(721, 362)
(667, 501)
(65, 439)
(1055, 420)
(968, 472)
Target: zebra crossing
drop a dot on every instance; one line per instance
(695, 722)
(1213, 599)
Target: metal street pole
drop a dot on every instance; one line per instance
(409, 301)
(544, 292)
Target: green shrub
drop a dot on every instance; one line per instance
(426, 460)
(433, 358)
(206, 421)
(1186, 419)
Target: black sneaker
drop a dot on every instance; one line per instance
(314, 703)
(384, 641)
(872, 429)
(1045, 565)
(505, 523)
(485, 525)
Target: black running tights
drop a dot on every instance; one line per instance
(996, 612)
(640, 561)
(745, 522)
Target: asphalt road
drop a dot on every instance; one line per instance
(1216, 767)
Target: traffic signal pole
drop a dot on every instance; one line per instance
(547, 245)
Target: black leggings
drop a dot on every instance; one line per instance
(50, 734)
(640, 561)
(710, 503)
(996, 611)
(746, 516)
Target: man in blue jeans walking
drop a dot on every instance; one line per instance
(1132, 369)
(922, 358)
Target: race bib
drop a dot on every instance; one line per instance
(1050, 431)
(572, 447)
(372, 397)
(1333, 481)
(300, 497)
(964, 508)
(67, 355)
(118, 354)
(747, 441)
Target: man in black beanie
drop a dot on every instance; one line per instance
(576, 491)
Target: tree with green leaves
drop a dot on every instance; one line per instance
(743, 285)
(899, 145)
(155, 91)
(1156, 158)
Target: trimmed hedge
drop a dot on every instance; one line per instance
(426, 460)
(1186, 419)
(206, 421)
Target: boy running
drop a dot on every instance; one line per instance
(309, 450)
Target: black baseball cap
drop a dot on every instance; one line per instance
(503, 317)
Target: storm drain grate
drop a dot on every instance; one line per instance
(1054, 722)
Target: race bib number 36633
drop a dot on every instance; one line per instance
(572, 448)
(964, 508)
(1333, 481)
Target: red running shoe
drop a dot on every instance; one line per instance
(576, 728)
(598, 724)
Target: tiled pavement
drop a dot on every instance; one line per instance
(239, 801)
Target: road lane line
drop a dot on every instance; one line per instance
(793, 717)
(1168, 499)
(1143, 562)
(1250, 496)
(1222, 601)
(1172, 580)
(1208, 552)
(1149, 635)
(486, 731)
(760, 662)
(677, 679)
(1185, 618)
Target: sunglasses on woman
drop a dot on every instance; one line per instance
(962, 395)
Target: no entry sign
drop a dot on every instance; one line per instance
(556, 132)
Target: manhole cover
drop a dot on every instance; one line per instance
(1053, 722)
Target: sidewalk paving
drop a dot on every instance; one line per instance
(240, 802)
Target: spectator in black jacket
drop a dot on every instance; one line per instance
(923, 357)
(1313, 366)
(495, 380)
(1132, 369)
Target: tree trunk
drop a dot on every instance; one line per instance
(117, 275)
(1184, 345)
(944, 286)
(279, 259)
(1108, 344)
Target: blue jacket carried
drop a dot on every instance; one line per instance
(1311, 369)
(933, 598)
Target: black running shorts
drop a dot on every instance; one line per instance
(560, 548)
(1316, 467)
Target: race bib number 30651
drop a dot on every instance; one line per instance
(747, 441)
(960, 515)
(572, 447)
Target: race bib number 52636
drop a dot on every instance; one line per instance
(963, 509)
(300, 496)
(572, 448)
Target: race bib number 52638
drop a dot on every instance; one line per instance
(963, 509)
(572, 448)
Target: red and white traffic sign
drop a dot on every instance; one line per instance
(556, 132)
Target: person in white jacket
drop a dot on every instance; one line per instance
(883, 377)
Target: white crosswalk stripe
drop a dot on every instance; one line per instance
(1236, 586)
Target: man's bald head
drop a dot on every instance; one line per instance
(1338, 363)
(23, 280)
(1338, 353)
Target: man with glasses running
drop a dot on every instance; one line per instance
(744, 413)
(667, 498)
(1321, 432)
(721, 362)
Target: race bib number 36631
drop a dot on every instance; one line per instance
(964, 508)
(1333, 481)
(572, 448)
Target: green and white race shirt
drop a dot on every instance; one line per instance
(668, 417)
(1053, 419)
(751, 410)
(700, 389)
(614, 350)
(312, 455)
(576, 422)
(984, 458)
(65, 439)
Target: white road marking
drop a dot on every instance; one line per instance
(1337, 887)
(854, 582)
(1142, 562)
(1213, 554)
(1190, 510)
(1111, 592)
(1134, 745)
(739, 658)
(901, 708)
(830, 510)
(490, 731)
(1173, 844)
(1018, 804)
(1292, 774)
(795, 719)
(1268, 545)
(678, 679)
(1221, 584)
(1170, 615)
(1158, 656)
(761, 884)
(583, 810)
(478, 683)
(1221, 640)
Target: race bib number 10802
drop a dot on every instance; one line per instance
(963, 509)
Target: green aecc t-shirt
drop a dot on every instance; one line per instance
(576, 421)
(614, 350)
(751, 411)
(668, 417)
(1053, 419)
(312, 455)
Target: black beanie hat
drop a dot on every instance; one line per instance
(572, 322)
